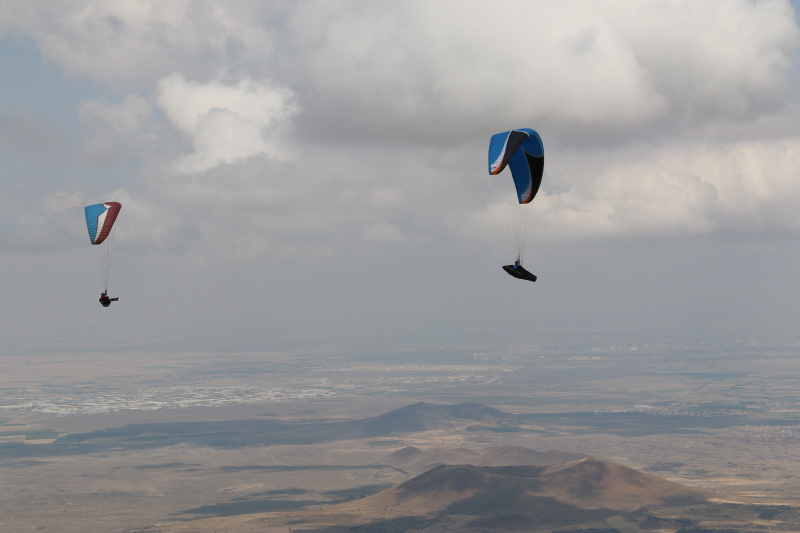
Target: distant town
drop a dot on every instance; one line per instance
(152, 399)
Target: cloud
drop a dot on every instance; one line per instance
(31, 233)
(588, 71)
(255, 128)
(371, 78)
(745, 188)
(226, 122)
(712, 60)
(62, 200)
(117, 131)
(383, 232)
(153, 226)
(132, 45)
(128, 116)
(267, 150)
(25, 133)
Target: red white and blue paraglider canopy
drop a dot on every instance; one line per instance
(100, 220)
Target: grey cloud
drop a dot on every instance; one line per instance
(121, 131)
(149, 224)
(26, 133)
(131, 46)
(422, 72)
(670, 130)
(32, 233)
(598, 75)
(329, 123)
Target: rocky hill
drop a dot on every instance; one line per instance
(587, 485)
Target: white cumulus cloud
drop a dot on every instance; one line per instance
(227, 122)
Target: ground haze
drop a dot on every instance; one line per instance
(165, 439)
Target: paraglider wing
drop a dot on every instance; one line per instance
(100, 219)
(527, 166)
(502, 148)
(523, 152)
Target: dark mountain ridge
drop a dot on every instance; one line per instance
(417, 460)
(422, 416)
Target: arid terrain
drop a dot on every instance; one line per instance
(356, 438)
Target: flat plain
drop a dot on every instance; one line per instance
(155, 441)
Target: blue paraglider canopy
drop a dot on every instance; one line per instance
(523, 152)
